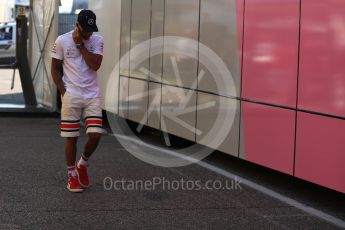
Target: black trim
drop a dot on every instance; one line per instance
(162, 67)
(93, 117)
(94, 126)
(120, 57)
(182, 87)
(130, 55)
(321, 114)
(267, 104)
(241, 83)
(297, 87)
(294, 109)
(197, 75)
(148, 75)
(70, 131)
(76, 121)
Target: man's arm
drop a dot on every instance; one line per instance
(56, 74)
(94, 61)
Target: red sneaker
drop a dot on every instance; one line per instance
(73, 184)
(82, 176)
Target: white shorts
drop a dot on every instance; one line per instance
(74, 109)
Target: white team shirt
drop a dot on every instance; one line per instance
(79, 79)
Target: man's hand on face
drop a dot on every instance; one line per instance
(77, 36)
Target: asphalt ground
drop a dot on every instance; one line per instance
(33, 192)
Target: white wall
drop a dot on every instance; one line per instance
(109, 24)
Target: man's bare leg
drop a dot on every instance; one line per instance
(91, 144)
(73, 184)
(71, 150)
(90, 148)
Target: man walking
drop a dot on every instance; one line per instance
(80, 52)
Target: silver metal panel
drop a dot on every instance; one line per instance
(110, 28)
(138, 101)
(154, 108)
(123, 97)
(217, 118)
(181, 19)
(125, 36)
(157, 32)
(219, 32)
(140, 32)
(178, 112)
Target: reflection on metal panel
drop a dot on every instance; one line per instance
(219, 17)
(320, 150)
(140, 32)
(123, 97)
(322, 69)
(125, 36)
(269, 136)
(271, 51)
(154, 108)
(181, 19)
(157, 27)
(178, 112)
(213, 111)
(137, 101)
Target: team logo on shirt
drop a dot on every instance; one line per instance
(72, 52)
